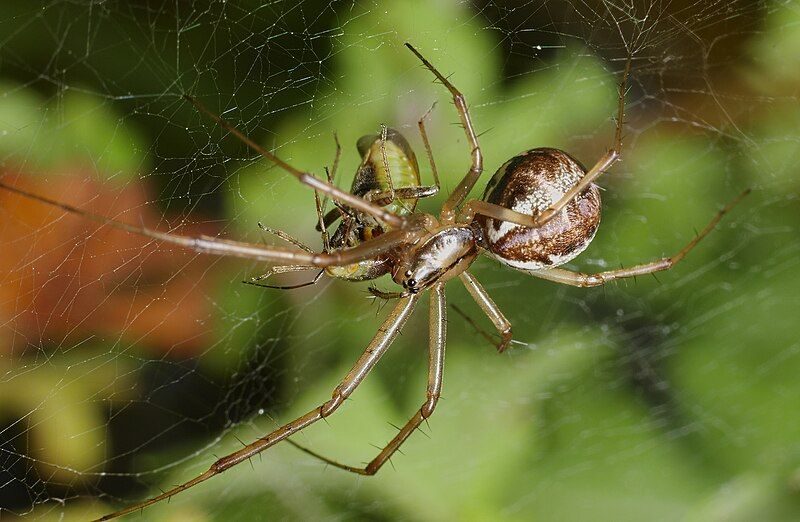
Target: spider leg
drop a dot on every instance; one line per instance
(384, 131)
(384, 197)
(337, 212)
(331, 175)
(428, 150)
(568, 277)
(486, 335)
(286, 237)
(323, 230)
(223, 247)
(377, 347)
(280, 269)
(386, 296)
(492, 311)
(498, 212)
(438, 330)
(306, 178)
(283, 269)
(330, 218)
(461, 191)
(608, 159)
(312, 282)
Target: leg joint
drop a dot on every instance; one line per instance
(332, 405)
(429, 406)
(594, 279)
(505, 338)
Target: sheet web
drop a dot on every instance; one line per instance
(127, 366)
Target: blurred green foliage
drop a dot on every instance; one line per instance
(665, 399)
(78, 129)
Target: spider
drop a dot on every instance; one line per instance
(539, 210)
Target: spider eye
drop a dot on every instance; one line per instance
(412, 283)
(408, 273)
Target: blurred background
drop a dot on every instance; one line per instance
(127, 366)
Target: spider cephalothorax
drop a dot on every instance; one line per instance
(442, 254)
(540, 210)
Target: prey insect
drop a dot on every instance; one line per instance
(388, 175)
(539, 210)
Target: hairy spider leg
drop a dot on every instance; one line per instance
(474, 324)
(326, 239)
(437, 322)
(492, 311)
(383, 339)
(568, 277)
(340, 211)
(461, 191)
(306, 178)
(286, 237)
(283, 269)
(386, 296)
(482, 299)
(608, 159)
(428, 151)
(603, 164)
(223, 247)
(280, 269)
(331, 174)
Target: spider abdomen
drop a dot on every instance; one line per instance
(529, 183)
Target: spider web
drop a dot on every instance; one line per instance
(128, 366)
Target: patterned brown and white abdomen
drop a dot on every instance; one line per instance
(529, 183)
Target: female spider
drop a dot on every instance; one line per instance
(539, 210)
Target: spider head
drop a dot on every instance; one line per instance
(408, 281)
(442, 255)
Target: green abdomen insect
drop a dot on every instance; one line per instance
(388, 165)
(389, 176)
